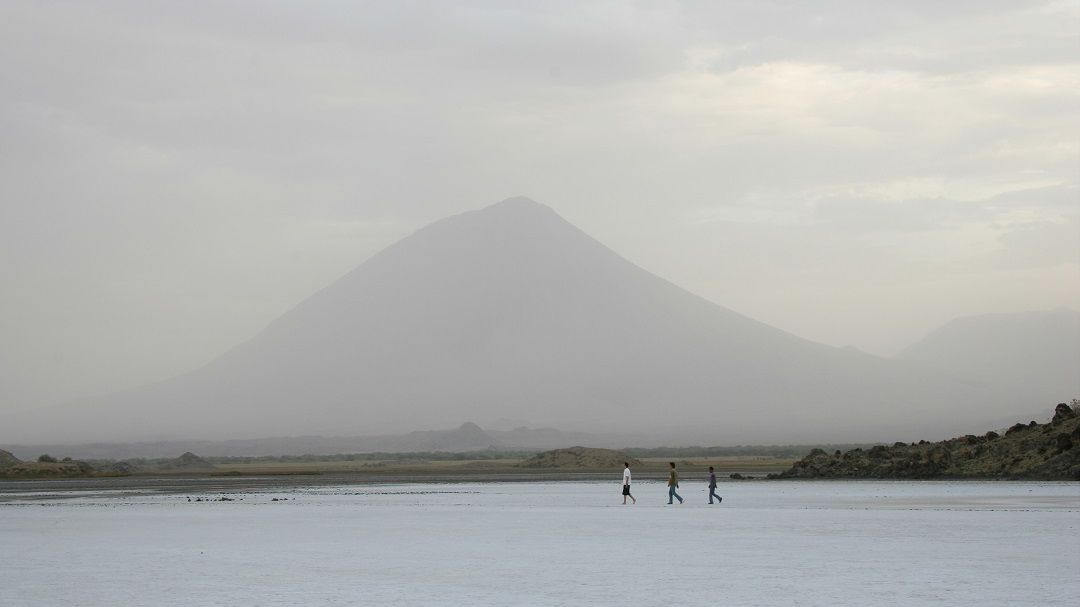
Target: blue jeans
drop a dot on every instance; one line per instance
(671, 494)
(712, 494)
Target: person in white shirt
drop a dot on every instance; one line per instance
(626, 484)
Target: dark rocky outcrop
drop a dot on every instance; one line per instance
(1026, 451)
(580, 458)
(1063, 412)
(7, 460)
(44, 467)
(54, 469)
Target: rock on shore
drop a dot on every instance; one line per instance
(7, 460)
(1025, 451)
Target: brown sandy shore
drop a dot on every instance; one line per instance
(240, 477)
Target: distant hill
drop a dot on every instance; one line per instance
(467, 437)
(46, 467)
(187, 461)
(580, 458)
(7, 460)
(1031, 355)
(512, 312)
(1031, 450)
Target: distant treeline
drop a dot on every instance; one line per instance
(418, 456)
(745, 450)
(791, 451)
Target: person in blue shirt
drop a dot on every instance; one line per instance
(712, 487)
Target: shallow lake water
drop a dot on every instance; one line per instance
(558, 543)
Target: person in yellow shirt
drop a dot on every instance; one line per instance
(673, 484)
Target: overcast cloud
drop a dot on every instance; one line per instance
(175, 175)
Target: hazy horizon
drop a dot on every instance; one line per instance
(175, 178)
(510, 311)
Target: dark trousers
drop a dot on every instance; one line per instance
(712, 494)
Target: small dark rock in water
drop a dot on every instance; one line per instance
(736, 476)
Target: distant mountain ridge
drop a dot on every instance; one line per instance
(511, 312)
(1027, 354)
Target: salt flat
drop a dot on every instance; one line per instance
(559, 543)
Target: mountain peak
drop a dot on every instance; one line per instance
(517, 205)
(518, 202)
(511, 220)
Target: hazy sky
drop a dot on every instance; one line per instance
(175, 175)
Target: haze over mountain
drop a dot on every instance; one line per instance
(1030, 354)
(511, 312)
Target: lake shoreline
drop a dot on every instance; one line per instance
(59, 489)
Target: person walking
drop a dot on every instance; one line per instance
(712, 487)
(626, 484)
(673, 484)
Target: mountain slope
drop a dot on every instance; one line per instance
(1032, 353)
(510, 311)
